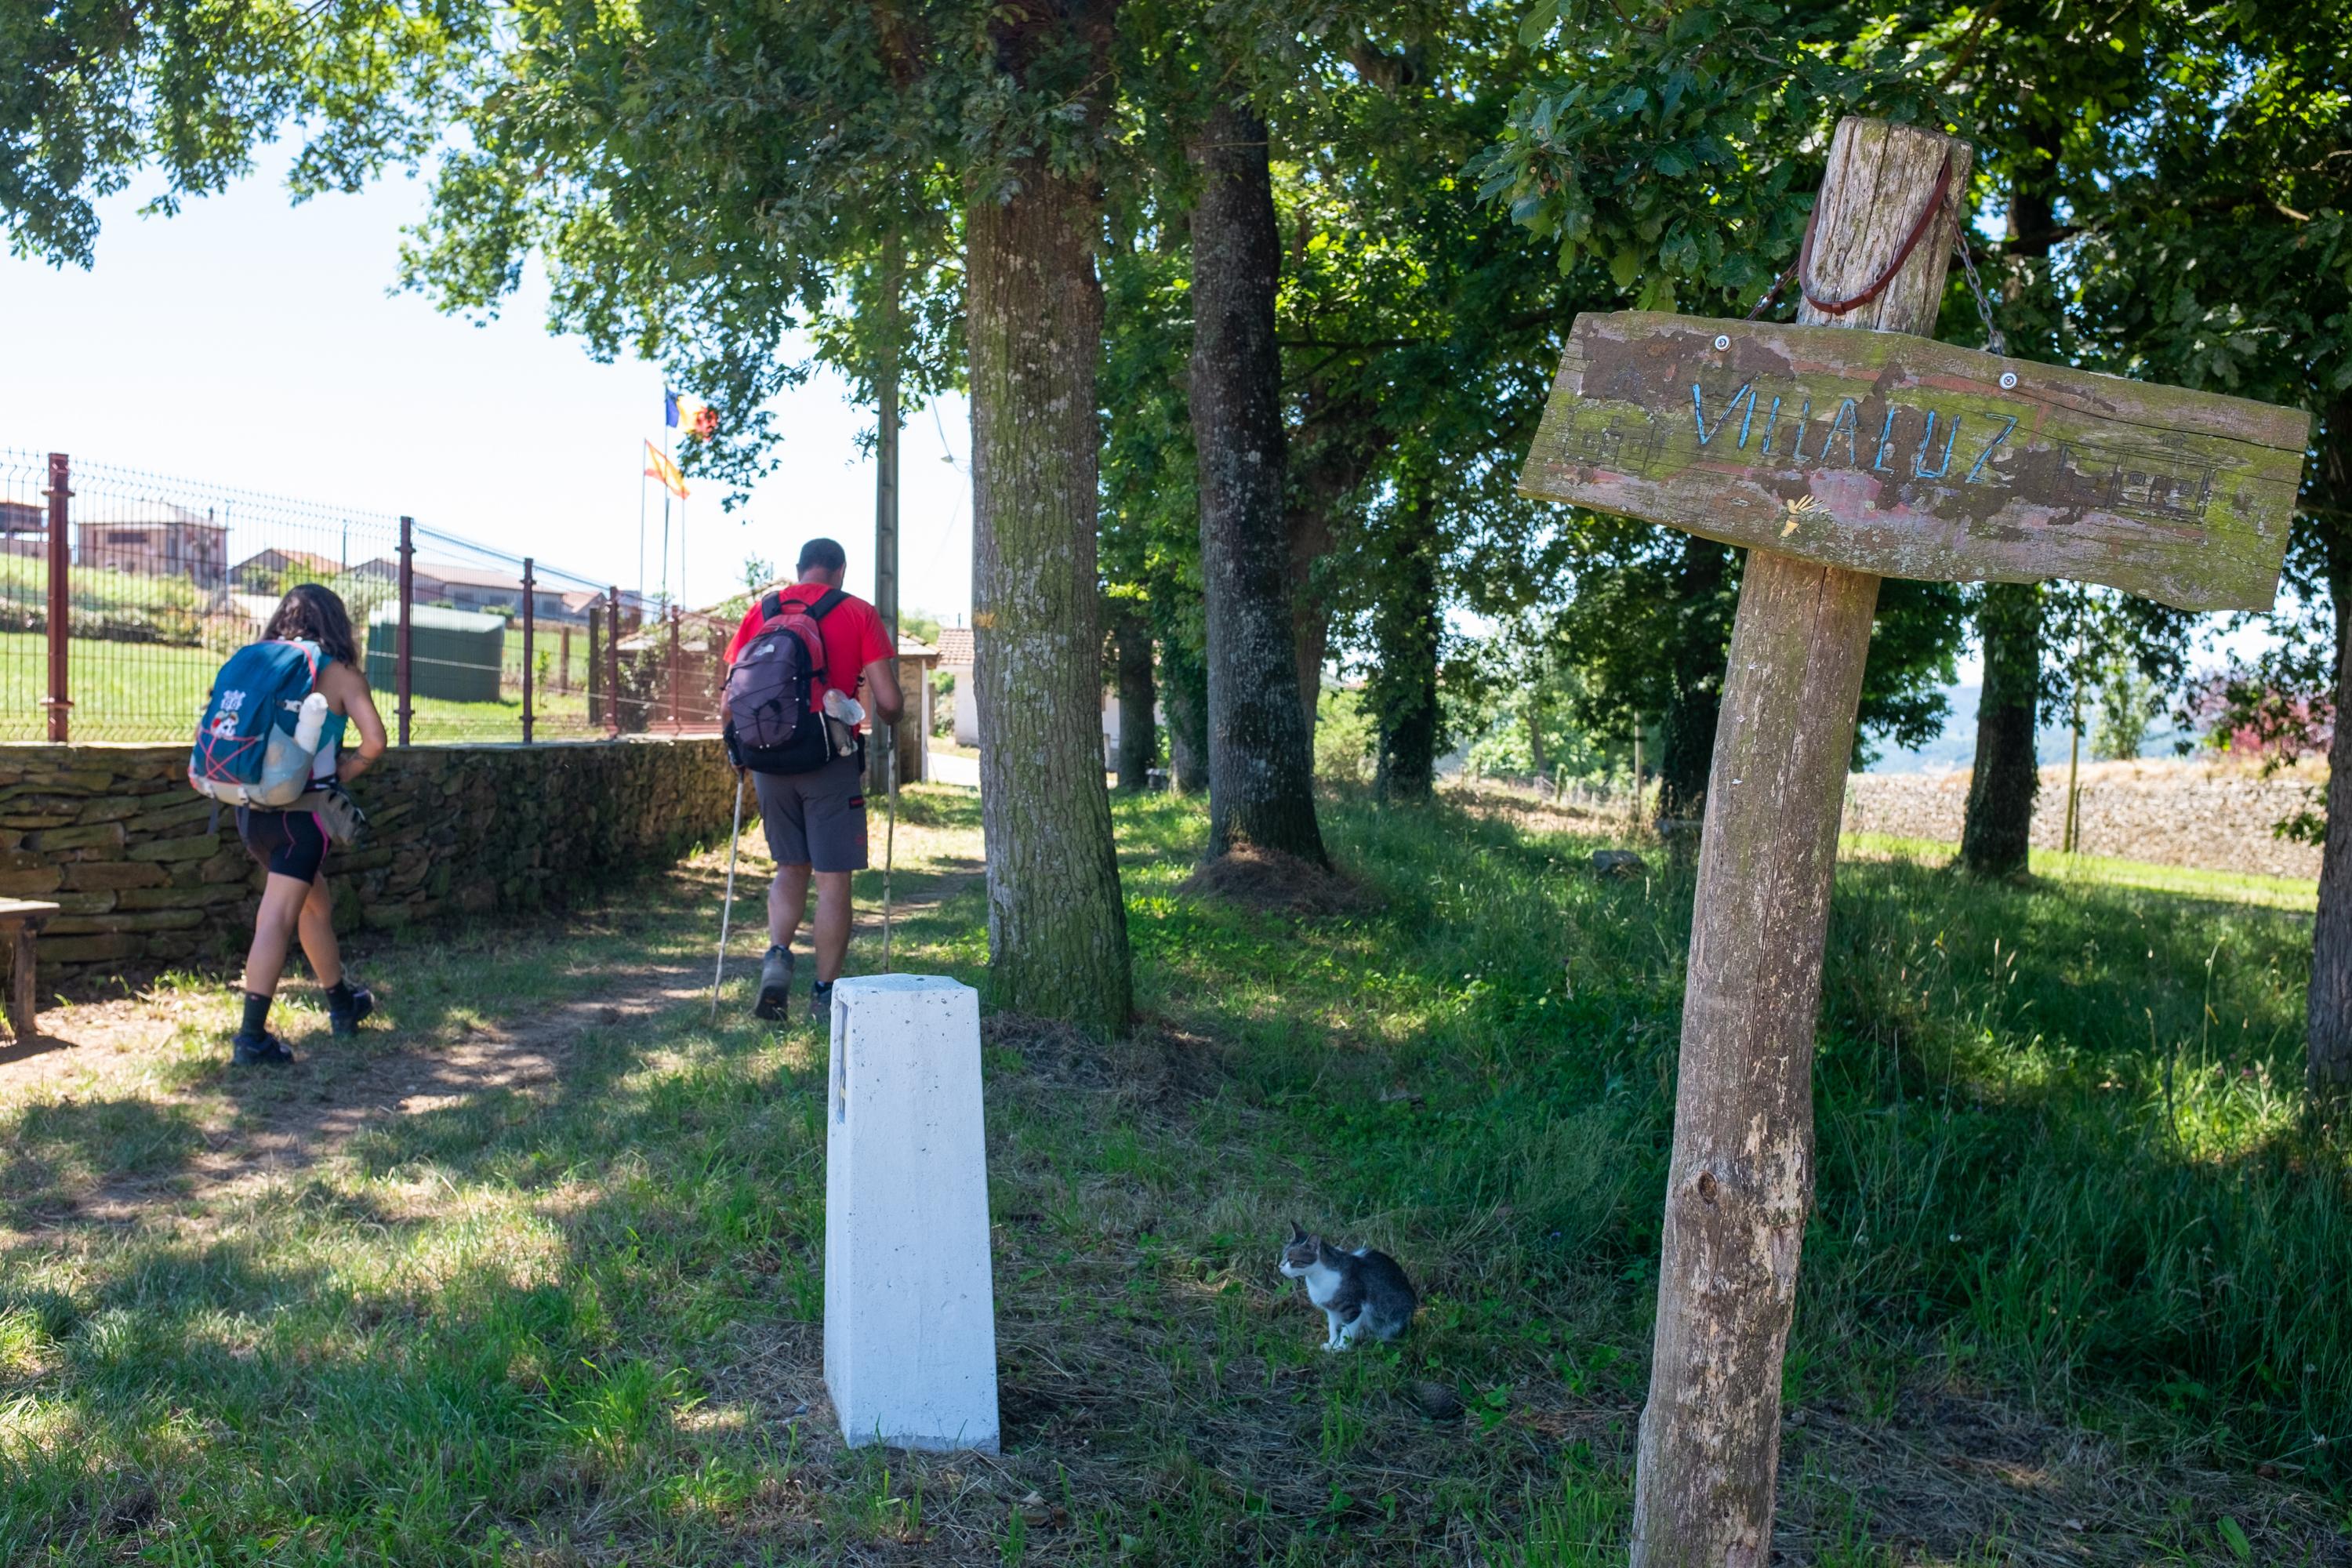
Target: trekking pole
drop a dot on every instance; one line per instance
(727, 909)
(889, 844)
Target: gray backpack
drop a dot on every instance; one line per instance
(773, 725)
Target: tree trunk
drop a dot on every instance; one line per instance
(1998, 827)
(1138, 730)
(1997, 830)
(1261, 763)
(1310, 618)
(1740, 1180)
(886, 500)
(1687, 729)
(2328, 1002)
(1056, 923)
(1403, 688)
(1185, 682)
(1323, 476)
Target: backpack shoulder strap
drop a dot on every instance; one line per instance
(772, 604)
(824, 605)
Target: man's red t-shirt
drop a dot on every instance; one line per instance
(854, 636)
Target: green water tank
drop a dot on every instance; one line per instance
(454, 654)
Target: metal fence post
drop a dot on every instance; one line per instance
(530, 676)
(676, 713)
(595, 682)
(612, 670)
(400, 639)
(60, 699)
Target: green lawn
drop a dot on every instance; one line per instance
(2072, 1292)
(2195, 881)
(154, 691)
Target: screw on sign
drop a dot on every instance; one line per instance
(1840, 458)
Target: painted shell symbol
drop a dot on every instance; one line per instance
(1794, 511)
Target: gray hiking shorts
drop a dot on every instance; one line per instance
(816, 819)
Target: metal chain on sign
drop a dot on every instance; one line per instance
(1994, 338)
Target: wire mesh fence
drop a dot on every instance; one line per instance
(121, 591)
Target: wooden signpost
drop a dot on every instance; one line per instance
(1839, 458)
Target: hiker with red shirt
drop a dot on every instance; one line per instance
(815, 820)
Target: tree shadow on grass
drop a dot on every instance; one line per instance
(53, 1151)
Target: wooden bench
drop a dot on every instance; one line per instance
(22, 920)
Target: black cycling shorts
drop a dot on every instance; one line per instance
(290, 843)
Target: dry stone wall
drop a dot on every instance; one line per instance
(114, 836)
(2215, 814)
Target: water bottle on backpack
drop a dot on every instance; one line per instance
(774, 722)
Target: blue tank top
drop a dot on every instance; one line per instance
(330, 733)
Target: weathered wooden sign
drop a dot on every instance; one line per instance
(1899, 455)
(1842, 457)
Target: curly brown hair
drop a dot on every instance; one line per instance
(315, 613)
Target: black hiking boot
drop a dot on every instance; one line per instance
(775, 983)
(346, 1005)
(821, 1005)
(265, 1049)
(253, 1044)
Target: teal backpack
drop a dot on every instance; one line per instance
(262, 727)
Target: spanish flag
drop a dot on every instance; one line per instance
(697, 417)
(660, 468)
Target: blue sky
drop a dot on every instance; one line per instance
(251, 342)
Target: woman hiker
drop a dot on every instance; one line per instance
(292, 845)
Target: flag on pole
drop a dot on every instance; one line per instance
(698, 417)
(659, 467)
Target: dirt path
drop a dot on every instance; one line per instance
(250, 1129)
(265, 1128)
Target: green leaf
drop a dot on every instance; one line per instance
(2234, 1538)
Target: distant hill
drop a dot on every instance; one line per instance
(1956, 747)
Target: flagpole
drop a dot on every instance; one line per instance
(669, 466)
(641, 533)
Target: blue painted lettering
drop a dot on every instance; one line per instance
(1919, 467)
(1885, 444)
(1996, 441)
(1848, 420)
(1698, 413)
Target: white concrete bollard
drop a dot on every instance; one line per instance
(910, 1314)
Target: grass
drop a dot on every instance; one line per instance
(155, 691)
(2069, 1294)
(2193, 882)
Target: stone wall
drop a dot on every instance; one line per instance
(2215, 813)
(114, 835)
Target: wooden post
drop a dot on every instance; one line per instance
(1741, 1177)
(400, 667)
(1636, 826)
(564, 659)
(60, 610)
(530, 598)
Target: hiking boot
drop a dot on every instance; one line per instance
(346, 1005)
(775, 983)
(821, 1005)
(265, 1049)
